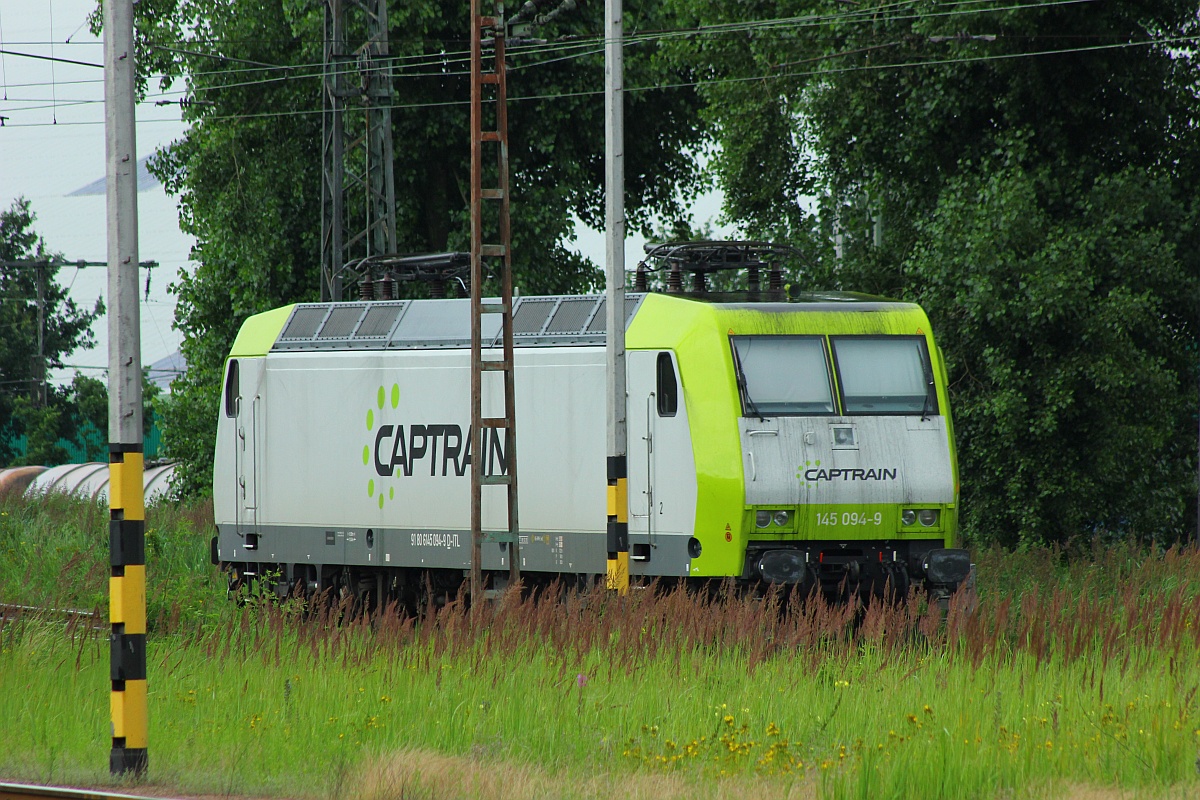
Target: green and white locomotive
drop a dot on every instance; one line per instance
(805, 443)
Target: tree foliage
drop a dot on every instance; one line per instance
(248, 170)
(1070, 347)
(65, 328)
(1028, 173)
(75, 414)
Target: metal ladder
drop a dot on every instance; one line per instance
(498, 254)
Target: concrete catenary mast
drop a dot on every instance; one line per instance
(127, 550)
(614, 223)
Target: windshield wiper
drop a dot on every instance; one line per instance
(743, 385)
(925, 406)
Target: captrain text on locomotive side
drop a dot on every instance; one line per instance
(805, 442)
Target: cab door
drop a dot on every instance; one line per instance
(639, 427)
(662, 474)
(242, 399)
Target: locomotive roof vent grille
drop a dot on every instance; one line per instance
(572, 315)
(304, 323)
(599, 323)
(380, 320)
(531, 315)
(445, 323)
(341, 322)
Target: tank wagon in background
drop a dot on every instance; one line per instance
(804, 443)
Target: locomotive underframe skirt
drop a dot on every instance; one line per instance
(829, 564)
(660, 554)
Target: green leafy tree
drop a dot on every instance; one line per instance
(1029, 174)
(74, 416)
(66, 328)
(1068, 339)
(248, 170)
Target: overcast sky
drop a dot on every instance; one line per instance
(52, 144)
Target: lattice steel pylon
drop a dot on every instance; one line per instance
(358, 200)
(498, 253)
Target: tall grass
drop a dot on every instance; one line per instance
(1079, 672)
(54, 554)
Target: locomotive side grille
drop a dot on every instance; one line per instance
(341, 322)
(561, 320)
(379, 321)
(531, 315)
(600, 325)
(304, 323)
(572, 315)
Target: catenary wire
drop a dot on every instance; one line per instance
(450, 57)
(976, 59)
(699, 83)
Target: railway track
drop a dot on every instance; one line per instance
(21, 791)
(72, 616)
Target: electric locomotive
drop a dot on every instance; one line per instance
(804, 442)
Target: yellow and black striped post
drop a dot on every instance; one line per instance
(614, 295)
(127, 611)
(126, 527)
(618, 525)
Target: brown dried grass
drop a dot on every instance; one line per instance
(427, 775)
(1097, 615)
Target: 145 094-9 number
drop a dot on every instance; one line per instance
(850, 518)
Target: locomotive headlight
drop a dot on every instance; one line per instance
(782, 518)
(908, 516)
(762, 519)
(927, 517)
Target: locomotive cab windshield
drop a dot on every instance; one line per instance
(782, 375)
(884, 375)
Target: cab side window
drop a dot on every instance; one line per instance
(232, 390)
(668, 386)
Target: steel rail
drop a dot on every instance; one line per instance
(28, 791)
(15, 608)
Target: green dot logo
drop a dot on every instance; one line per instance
(800, 474)
(382, 396)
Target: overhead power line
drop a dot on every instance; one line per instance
(870, 15)
(588, 47)
(58, 59)
(42, 263)
(704, 82)
(746, 79)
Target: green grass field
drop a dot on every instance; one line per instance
(1072, 678)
